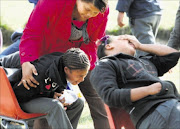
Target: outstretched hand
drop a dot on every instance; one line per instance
(28, 70)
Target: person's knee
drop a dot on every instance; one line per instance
(78, 103)
(56, 105)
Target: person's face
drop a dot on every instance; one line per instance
(86, 10)
(121, 46)
(75, 76)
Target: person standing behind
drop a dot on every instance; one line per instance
(33, 1)
(57, 25)
(144, 18)
(15, 38)
(174, 40)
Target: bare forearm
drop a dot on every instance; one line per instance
(138, 93)
(157, 49)
(141, 92)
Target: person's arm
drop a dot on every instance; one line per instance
(120, 19)
(31, 45)
(33, 35)
(103, 78)
(141, 92)
(122, 6)
(156, 49)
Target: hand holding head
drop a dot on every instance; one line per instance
(111, 45)
(132, 39)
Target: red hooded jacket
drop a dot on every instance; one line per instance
(49, 28)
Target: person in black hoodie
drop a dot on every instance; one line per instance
(54, 70)
(133, 84)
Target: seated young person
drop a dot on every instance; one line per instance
(125, 81)
(54, 70)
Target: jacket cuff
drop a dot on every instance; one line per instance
(127, 99)
(164, 89)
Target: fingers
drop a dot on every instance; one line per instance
(29, 82)
(58, 94)
(34, 71)
(66, 104)
(34, 81)
(121, 24)
(25, 84)
(62, 100)
(170, 71)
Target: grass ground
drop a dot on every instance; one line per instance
(15, 13)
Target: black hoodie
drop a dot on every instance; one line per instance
(51, 78)
(114, 77)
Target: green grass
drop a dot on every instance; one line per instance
(85, 121)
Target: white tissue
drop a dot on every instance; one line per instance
(70, 96)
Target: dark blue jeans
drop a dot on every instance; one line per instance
(11, 49)
(165, 116)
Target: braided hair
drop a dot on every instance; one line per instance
(75, 59)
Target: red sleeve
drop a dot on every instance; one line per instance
(31, 46)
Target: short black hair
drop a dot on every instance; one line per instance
(101, 47)
(100, 4)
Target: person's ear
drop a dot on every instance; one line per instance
(109, 46)
(66, 69)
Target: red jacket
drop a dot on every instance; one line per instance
(49, 28)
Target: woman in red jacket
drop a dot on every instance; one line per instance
(57, 25)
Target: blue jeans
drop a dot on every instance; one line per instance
(165, 116)
(145, 30)
(11, 49)
(174, 40)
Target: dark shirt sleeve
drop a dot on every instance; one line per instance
(123, 5)
(103, 78)
(164, 63)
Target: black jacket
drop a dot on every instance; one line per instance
(114, 76)
(51, 78)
